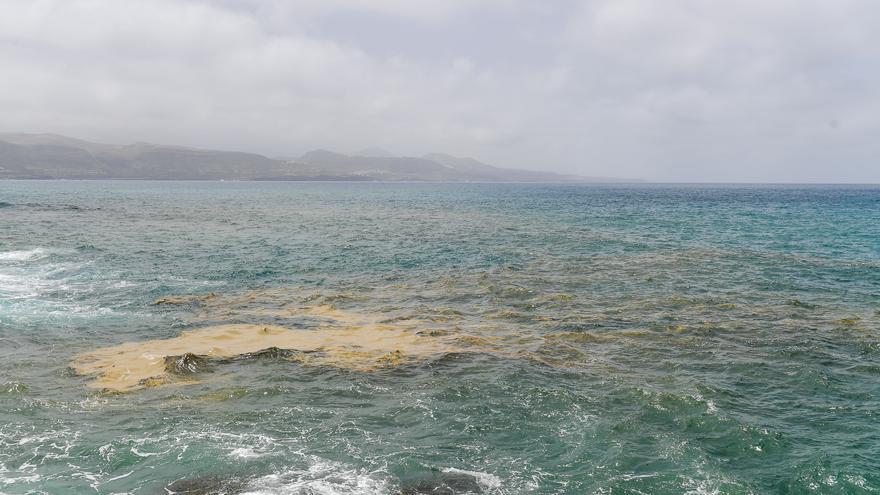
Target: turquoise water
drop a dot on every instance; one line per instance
(644, 339)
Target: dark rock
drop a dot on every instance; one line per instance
(268, 353)
(439, 483)
(205, 485)
(182, 300)
(187, 364)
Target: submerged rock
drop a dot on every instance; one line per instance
(268, 353)
(13, 388)
(187, 299)
(187, 364)
(393, 358)
(153, 381)
(442, 483)
(205, 485)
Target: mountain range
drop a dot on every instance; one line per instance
(51, 156)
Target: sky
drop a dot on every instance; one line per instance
(672, 90)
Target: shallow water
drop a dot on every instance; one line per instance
(599, 339)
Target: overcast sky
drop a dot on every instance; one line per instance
(672, 90)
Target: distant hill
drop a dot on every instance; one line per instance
(50, 156)
(381, 167)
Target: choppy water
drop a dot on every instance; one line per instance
(647, 339)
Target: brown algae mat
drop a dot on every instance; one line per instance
(341, 339)
(331, 337)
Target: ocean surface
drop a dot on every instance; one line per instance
(650, 339)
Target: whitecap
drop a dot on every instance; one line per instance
(20, 287)
(121, 476)
(711, 408)
(24, 255)
(487, 481)
(322, 477)
(245, 453)
(138, 453)
(31, 286)
(8, 480)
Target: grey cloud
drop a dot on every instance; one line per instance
(749, 91)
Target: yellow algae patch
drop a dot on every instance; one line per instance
(390, 336)
(848, 321)
(357, 345)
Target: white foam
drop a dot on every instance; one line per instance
(245, 453)
(24, 255)
(485, 480)
(120, 476)
(7, 480)
(138, 453)
(21, 286)
(703, 487)
(33, 287)
(322, 477)
(22, 279)
(711, 408)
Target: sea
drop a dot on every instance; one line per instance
(465, 338)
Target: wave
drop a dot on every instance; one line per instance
(22, 278)
(335, 478)
(48, 283)
(26, 286)
(487, 482)
(322, 477)
(25, 255)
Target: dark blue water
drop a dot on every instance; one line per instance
(626, 339)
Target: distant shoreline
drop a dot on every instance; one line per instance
(52, 156)
(374, 181)
(324, 180)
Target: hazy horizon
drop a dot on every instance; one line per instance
(620, 181)
(780, 92)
